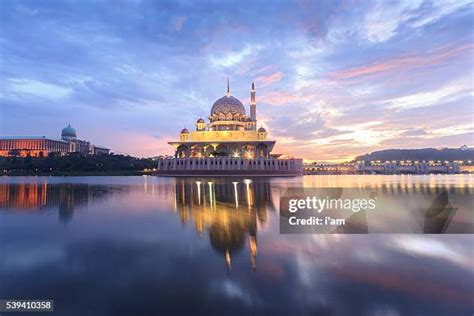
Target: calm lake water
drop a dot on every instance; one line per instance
(163, 246)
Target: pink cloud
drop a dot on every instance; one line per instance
(266, 80)
(279, 98)
(265, 69)
(298, 96)
(432, 57)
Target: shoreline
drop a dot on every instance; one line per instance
(141, 173)
(76, 174)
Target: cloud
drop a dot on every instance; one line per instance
(269, 79)
(400, 63)
(383, 19)
(461, 129)
(438, 9)
(414, 132)
(299, 127)
(381, 23)
(22, 86)
(233, 58)
(447, 93)
(282, 97)
(365, 134)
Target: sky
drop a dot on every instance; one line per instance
(334, 79)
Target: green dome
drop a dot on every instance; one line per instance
(68, 131)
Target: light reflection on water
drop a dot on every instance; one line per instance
(148, 245)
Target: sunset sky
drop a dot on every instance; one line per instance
(334, 79)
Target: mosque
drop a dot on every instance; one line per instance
(229, 144)
(229, 133)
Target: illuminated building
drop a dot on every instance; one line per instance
(36, 146)
(230, 132)
(229, 144)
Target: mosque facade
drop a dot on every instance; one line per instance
(228, 144)
(231, 131)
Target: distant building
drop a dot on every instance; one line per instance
(408, 167)
(36, 146)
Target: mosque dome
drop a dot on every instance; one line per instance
(200, 120)
(262, 130)
(68, 131)
(184, 131)
(228, 104)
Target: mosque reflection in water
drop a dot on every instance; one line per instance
(231, 211)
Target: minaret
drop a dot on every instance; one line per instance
(253, 105)
(228, 87)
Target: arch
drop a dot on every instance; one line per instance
(182, 151)
(248, 151)
(197, 151)
(222, 150)
(262, 150)
(209, 150)
(229, 117)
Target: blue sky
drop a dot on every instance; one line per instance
(334, 79)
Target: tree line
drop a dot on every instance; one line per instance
(74, 162)
(450, 154)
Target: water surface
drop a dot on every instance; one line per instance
(161, 246)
